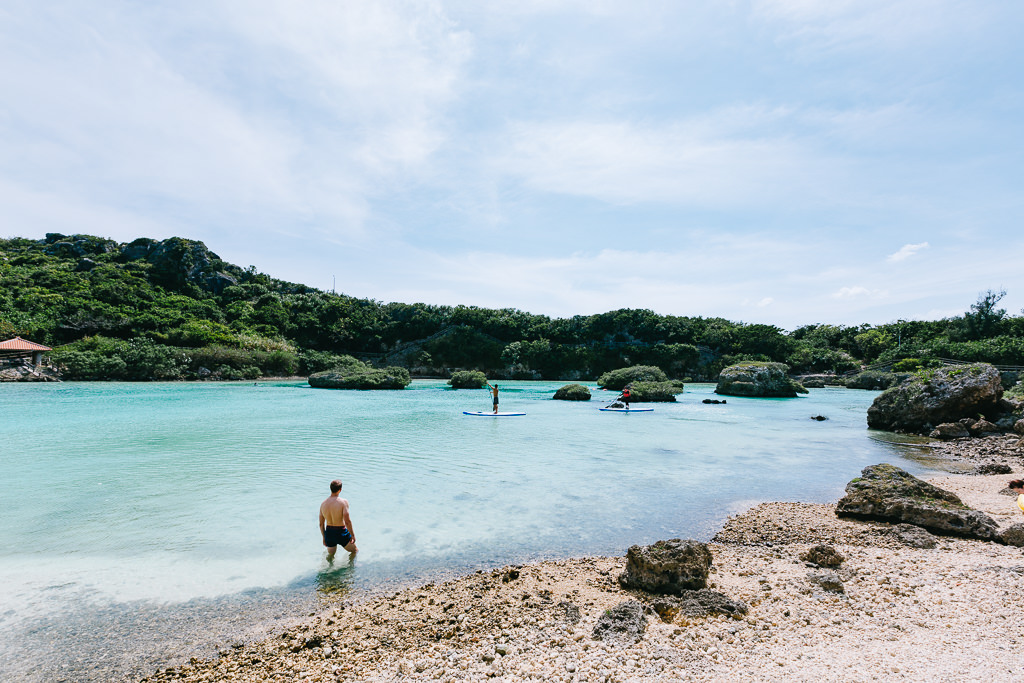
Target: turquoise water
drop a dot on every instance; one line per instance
(119, 494)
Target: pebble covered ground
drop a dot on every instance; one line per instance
(890, 611)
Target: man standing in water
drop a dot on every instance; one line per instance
(494, 392)
(335, 523)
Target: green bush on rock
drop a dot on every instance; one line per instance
(468, 379)
(361, 378)
(655, 392)
(618, 379)
(573, 392)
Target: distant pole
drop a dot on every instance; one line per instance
(334, 282)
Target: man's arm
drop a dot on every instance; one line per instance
(322, 530)
(348, 524)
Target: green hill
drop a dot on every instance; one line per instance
(172, 309)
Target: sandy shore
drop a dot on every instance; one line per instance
(948, 613)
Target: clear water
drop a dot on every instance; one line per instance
(116, 495)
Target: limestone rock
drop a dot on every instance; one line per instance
(758, 379)
(935, 396)
(914, 536)
(983, 427)
(1018, 426)
(885, 492)
(698, 603)
(828, 581)
(572, 392)
(823, 556)
(625, 623)
(949, 430)
(992, 468)
(1013, 535)
(668, 567)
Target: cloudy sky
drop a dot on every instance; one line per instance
(780, 161)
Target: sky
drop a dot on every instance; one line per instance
(768, 161)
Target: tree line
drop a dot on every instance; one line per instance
(172, 309)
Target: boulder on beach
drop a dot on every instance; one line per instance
(887, 493)
(625, 623)
(1013, 535)
(572, 392)
(949, 430)
(942, 395)
(698, 603)
(668, 567)
(758, 380)
(823, 556)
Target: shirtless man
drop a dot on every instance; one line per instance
(335, 523)
(494, 392)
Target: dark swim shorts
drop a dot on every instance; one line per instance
(337, 535)
(495, 400)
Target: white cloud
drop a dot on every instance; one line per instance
(906, 251)
(859, 292)
(767, 301)
(692, 162)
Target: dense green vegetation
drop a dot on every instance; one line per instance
(174, 310)
(572, 392)
(468, 379)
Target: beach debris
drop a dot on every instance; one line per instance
(667, 567)
(624, 624)
(914, 536)
(1013, 535)
(823, 556)
(885, 492)
(828, 581)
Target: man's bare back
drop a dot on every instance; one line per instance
(336, 523)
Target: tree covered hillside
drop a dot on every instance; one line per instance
(172, 309)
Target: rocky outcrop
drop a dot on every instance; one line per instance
(669, 567)
(938, 396)
(27, 373)
(914, 536)
(698, 603)
(572, 392)
(625, 623)
(885, 492)
(759, 380)
(1013, 535)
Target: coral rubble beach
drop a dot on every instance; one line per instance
(947, 613)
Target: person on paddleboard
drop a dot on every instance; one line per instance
(624, 397)
(494, 393)
(335, 523)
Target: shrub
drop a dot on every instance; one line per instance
(618, 379)
(655, 392)
(873, 379)
(573, 392)
(365, 378)
(468, 379)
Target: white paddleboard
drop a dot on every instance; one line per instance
(479, 413)
(631, 410)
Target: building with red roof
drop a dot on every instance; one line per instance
(22, 348)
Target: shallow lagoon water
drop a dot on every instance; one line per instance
(143, 504)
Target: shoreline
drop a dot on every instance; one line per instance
(947, 613)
